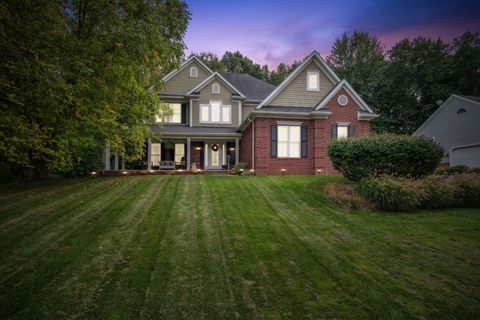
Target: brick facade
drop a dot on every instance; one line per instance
(318, 137)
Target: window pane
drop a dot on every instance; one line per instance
(177, 113)
(282, 149)
(215, 111)
(294, 133)
(225, 113)
(342, 132)
(155, 148)
(313, 81)
(294, 149)
(282, 133)
(179, 152)
(204, 113)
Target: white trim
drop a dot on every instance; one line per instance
(440, 109)
(289, 141)
(184, 64)
(356, 97)
(346, 100)
(239, 112)
(313, 73)
(195, 74)
(202, 84)
(190, 111)
(322, 65)
(209, 105)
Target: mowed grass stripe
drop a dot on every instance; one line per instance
(108, 259)
(69, 249)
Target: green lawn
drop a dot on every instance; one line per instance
(205, 247)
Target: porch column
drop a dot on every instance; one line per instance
(188, 153)
(237, 150)
(123, 163)
(116, 160)
(149, 154)
(107, 157)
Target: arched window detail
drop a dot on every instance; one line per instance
(216, 88)
(193, 72)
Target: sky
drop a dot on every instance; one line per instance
(270, 32)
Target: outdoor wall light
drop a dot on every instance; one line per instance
(198, 148)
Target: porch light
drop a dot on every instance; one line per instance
(232, 149)
(198, 148)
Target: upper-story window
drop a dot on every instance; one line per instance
(193, 72)
(313, 81)
(215, 112)
(175, 116)
(216, 88)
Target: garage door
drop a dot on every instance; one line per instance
(466, 155)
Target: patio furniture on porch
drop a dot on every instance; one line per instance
(166, 165)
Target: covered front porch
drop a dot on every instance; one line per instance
(192, 154)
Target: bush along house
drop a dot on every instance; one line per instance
(220, 119)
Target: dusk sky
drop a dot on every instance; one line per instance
(270, 32)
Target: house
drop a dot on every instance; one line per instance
(220, 119)
(455, 125)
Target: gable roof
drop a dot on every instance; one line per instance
(184, 64)
(253, 88)
(344, 84)
(471, 99)
(314, 56)
(202, 84)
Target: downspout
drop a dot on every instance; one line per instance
(253, 140)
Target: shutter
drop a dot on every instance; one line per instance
(351, 130)
(273, 139)
(184, 113)
(334, 131)
(304, 142)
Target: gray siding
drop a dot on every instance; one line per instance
(206, 95)
(295, 94)
(451, 129)
(247, 109)
(181, 83)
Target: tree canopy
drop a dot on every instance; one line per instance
(79, 74)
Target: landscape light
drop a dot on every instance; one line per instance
(124, 172)
(93, 173)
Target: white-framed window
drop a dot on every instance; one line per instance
(175, 117)
(342, 100)
(215, 88)
(193, 72)
(342, 131)
(215, 112)
(288, 141)
(179, 152)
(156, 153)
(313, 81)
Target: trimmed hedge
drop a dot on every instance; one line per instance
(385, 154)
(400, 194)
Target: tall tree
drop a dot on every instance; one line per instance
(282, 71)
(360, 59)
(238, 63)
(81, 73)
(466, 64)
(417, 76)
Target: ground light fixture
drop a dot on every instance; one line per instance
(283, 171)
(124, 172)
(93, 173)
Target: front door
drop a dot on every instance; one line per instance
(214, 155)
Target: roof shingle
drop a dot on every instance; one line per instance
(251, 87)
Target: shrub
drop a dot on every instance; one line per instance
(456, 169)
(438, 193)
(468, 190)
(389, 194)
(385, 154)
(345, 196)
(240, 168)
(475, 170)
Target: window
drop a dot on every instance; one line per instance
(215, 112)
(216, 88)
(193, 72)
(313, 81)
(288, 141)
(342, 131)
(342, 100)
(179, 152)
(175, 117)
(156, 154)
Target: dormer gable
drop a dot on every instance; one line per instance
(179, 81)
(215, 84)
(305, 86)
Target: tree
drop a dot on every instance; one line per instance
(360, 59)
(466, 64)
(78, 74)
(238, 63)
(417, 76)
(211, 60)
(282, 71)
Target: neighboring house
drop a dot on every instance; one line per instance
(455, 125)
(220, 119)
